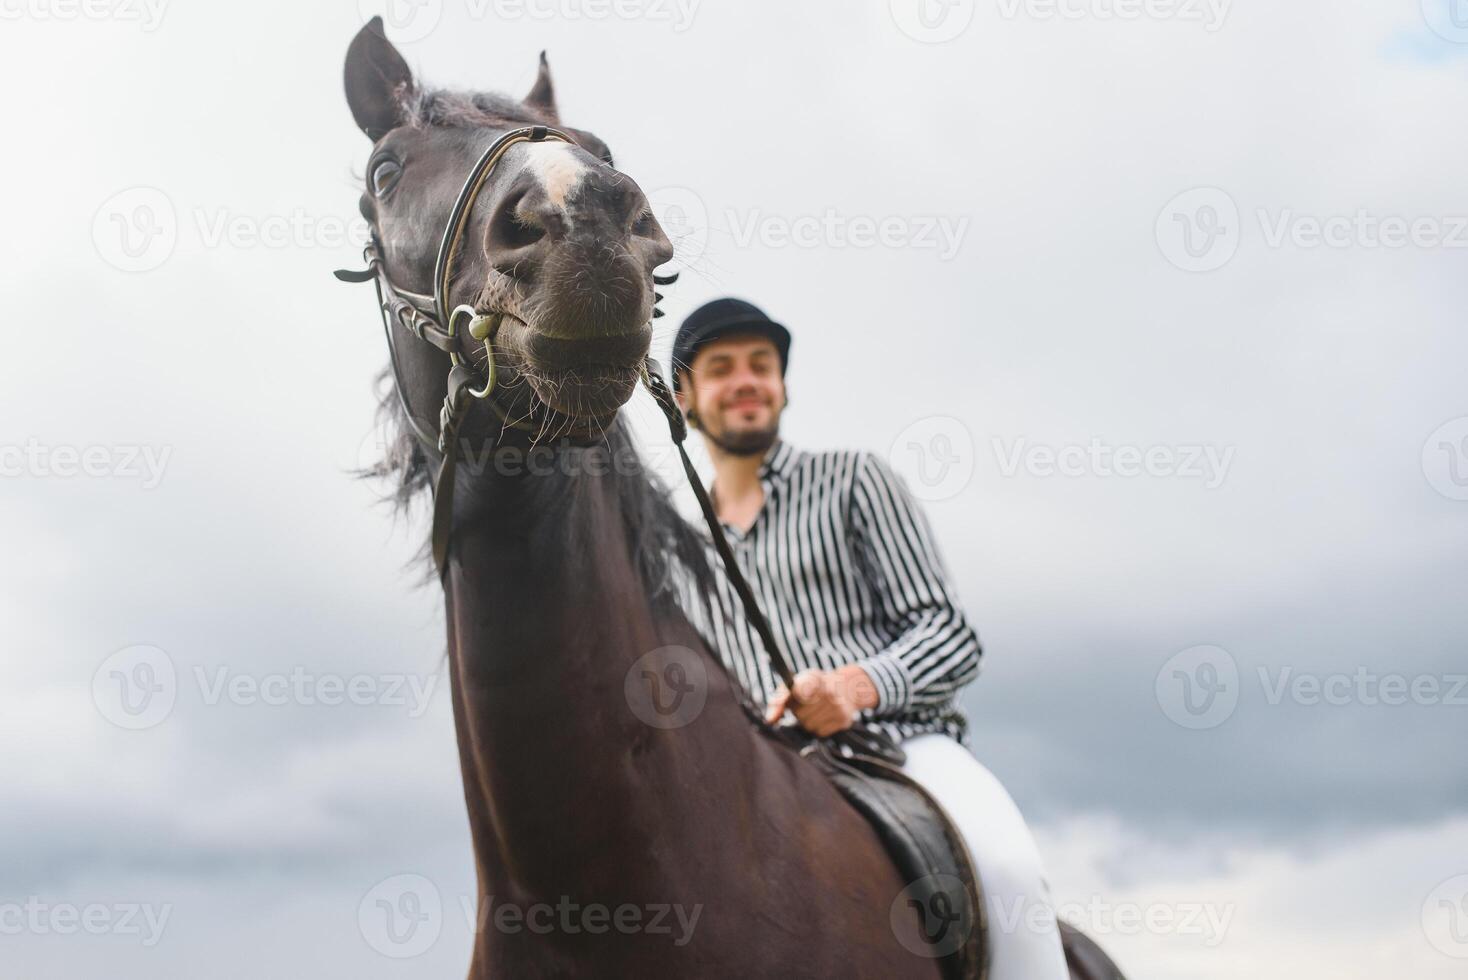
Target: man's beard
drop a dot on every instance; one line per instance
(754, 442)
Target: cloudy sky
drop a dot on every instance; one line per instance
(1158, 307)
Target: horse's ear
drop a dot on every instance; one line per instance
(377, 78)
(542, 95)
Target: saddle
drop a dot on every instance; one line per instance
(943, 887)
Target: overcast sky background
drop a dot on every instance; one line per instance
(1128, 203)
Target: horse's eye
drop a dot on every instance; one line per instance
(384, 176)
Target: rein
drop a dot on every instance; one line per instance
(429, 319)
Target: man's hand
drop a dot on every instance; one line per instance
(825, 701)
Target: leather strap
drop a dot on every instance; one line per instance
(678, 427)
(461, 380)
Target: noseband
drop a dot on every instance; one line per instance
(429, 319)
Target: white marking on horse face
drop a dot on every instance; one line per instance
(558, 169)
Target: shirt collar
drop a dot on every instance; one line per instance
(778, 460)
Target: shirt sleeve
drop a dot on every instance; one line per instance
(935, 651)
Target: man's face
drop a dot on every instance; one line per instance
(736, 393)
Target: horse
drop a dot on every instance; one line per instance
(609, 760)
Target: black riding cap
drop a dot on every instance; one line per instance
(717, 318)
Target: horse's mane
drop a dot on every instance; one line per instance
(426, 108)
(662, 544)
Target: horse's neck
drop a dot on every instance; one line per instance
(547, 618)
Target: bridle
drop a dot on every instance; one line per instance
(429, 319)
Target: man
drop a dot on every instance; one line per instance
(844, 567)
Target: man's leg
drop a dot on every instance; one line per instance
(1024, 944)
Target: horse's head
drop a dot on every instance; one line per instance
(557, 240)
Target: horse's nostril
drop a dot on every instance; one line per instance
(521, 231)
(518, 230)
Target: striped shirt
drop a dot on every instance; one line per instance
(845, 569)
